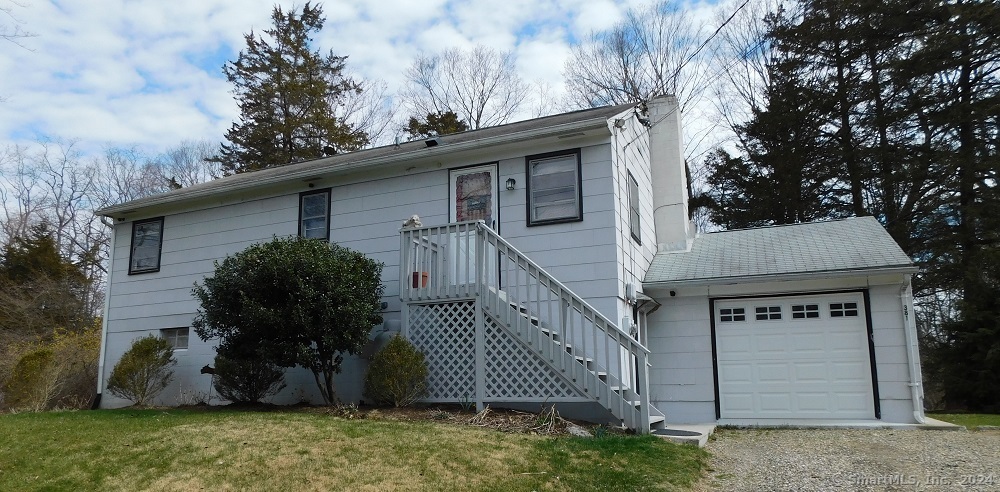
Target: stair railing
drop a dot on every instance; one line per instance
(469, 260)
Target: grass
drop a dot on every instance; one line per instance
(969, 420)
(233, 450)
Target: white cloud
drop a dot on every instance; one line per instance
(148, 72)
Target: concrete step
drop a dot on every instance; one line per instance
(686, 434)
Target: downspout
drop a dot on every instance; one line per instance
(104, 318)
(912, 351)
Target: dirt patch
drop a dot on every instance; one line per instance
(548, 422)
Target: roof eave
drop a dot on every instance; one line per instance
(783, 277)
(303, 172)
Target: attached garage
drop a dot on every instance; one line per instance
(805, 324)
(794, 358)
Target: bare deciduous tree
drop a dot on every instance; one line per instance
(369, 110)
(652, 51)
(184, 165)
(481, 86)
(743, 53)
(10, 26)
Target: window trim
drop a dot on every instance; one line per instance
(847, 309)
(769, 313)
(329, 207)
(633, 208)
(734, 315)
(579, 187)
(131, 247)
(174, 331)
(808, 308)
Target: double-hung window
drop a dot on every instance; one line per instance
(147, 242)
(177, 337)
(554, 188)
(314, 214)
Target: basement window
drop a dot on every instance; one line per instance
(147, 243)
(177, 337)
(842, 309)
(554, 188)
(805, 311)
(732, 314)
(765, 313)
(314, 214)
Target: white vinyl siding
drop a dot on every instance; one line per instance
(147, 240)
(554, 188)
(365, 215)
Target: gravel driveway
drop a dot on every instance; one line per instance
(807, 460)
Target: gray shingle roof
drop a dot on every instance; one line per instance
(844, 246)
(376, 156)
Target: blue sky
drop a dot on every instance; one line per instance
(148, 72)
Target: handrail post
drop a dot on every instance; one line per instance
(404, 266)
(480, 322)
(643, 427)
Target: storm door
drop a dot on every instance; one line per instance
(472, 195)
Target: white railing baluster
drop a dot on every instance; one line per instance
(469, 259)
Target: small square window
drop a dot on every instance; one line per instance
(554, 188)
(314, 214)
(732, 314)
(147, 243)
(805, 311)
(843, 309)
(765, 313)
(178, 337)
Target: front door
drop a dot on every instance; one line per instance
(472, 194)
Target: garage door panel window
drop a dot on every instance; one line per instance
(768, 313)
(805, 311)
(729, 315)
(843, 309)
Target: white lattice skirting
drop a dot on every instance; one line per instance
(445, 333)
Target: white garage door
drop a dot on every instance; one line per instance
(794, 358)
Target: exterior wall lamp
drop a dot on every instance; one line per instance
(510, 184)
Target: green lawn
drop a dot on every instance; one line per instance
(969, 420)
(288, 450)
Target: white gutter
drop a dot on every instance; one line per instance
(284, 174)
(781, 277)
(912, 351)
(104, 319)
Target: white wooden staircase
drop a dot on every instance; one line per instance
(496, 328)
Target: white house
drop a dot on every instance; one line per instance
(555, 264)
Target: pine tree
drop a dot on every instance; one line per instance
(40, 290)
(287, 93)
(435, 124)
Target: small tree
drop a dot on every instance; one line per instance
(397, 375)
(247, 380)
(143, 371)
(292, 301)
(435, 124)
